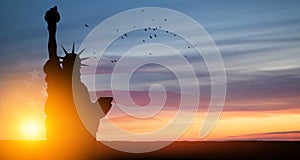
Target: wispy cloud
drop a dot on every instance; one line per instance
(268, 136)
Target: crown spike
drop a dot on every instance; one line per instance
(73, 48)
(80, 52)
(82, 59)
(64, 50)
(84, 65)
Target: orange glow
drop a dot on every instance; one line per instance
(230, 124)
(245, 123)
(32, 129)
(22, 117)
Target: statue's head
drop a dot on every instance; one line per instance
(71, 61)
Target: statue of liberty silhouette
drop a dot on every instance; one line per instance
(65, 132)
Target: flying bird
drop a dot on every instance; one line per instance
(86, 25)
(155, 35)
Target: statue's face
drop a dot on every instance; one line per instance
(71, 61)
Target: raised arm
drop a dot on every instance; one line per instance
(52, 17)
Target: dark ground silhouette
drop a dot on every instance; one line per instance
(29, 150)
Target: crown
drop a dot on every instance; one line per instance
(71, 57)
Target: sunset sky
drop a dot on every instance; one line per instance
(258, 41)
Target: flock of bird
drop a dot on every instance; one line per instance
(150, 36)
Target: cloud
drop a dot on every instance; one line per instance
(269, 136)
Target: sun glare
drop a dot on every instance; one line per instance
(31, 129)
